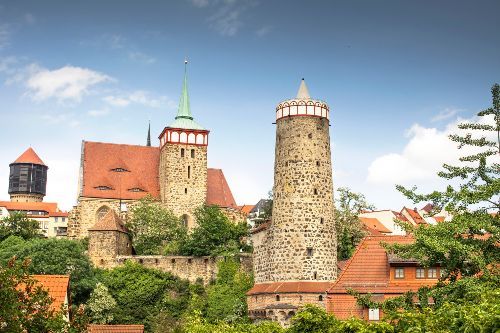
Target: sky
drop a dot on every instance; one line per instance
(398, 76)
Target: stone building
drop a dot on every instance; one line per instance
(115, 176)
(295, 257)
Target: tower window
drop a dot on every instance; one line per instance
(315, 191)
(310, 136)
(317, 163)
(277, 298)
(315, 276)
(189, 171)
(309, 251)
(321, 220)
(320, 298)
(192, 153)
(182, 152)
(185, 190)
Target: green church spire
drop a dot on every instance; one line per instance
(184, 118)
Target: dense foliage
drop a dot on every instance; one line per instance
(18, 224)
(54, 256)
(215, 234)
(348, 226)
(155, 229)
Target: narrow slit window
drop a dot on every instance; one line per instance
(317, 163)
(321, 220)
(189, 171)
(192, 153)
(309, 251)
(185, 190)
(182, 152)
(278, 298)
(315, 276)
(315, 191)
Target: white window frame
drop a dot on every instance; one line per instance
(374, 314)
(399, 269)
(434, 275)
(417, 275)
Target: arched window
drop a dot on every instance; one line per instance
(277, 298)
(182, 152)
(320, 298)
(192, 153)
(101, 212)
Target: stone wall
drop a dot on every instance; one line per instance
(191, 268)
(84, 215)
(301, 241)
(267, 307)
(183, 179)
(105, 246)
(24, 197)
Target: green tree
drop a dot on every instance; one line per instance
(214, 234)
(25, 305)
(101, 305)
(155, 229)
(348, 226)
(54, 256)
(226, 299)
(468, 244)
(18, 224)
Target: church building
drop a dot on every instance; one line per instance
(115, 176)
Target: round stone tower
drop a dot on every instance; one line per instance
(302, 234)
(183, 162)
(28, 178)
(295, 262)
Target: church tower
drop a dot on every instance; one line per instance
(183, 162)
(28, 178)
(295, 262)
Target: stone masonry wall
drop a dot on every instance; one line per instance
(84, 215)
(185, 267)
(183, 180)
(301, 241)
(105, 246)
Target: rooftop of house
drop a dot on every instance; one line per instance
(119, 171)
(50, 208)
(246, 209)
(57, 286)
(372, 223)
(109, 222)
(97, 328)
(29, 156)
(368, 269)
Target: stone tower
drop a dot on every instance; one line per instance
(108, 238)
(295, 262)
(183, 162)
(28, 178)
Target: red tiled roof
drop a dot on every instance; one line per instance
(368, 268)
(246, 209)
(141, 163)
(109, 222)
(374, 224)
(428, 208)
(29, 156)
(59, 214)
(95, 328)
(49, 207)
(414, 215)
(290, 287)
(261, 227)
(341, 264)
(57, 286)
(218, 191)
(439, 218)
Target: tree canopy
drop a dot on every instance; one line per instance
(18, 224)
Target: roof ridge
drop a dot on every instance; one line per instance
(120, 144)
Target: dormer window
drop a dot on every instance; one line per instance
(103, 188)
(399, 273)
(119, 170)
(136, 189)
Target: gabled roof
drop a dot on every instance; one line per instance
(246, 209)
(99, 159)
(372, 223)
(428, 208)
(96, 328)
(57, 286)
(109, 222)
(29, 156)
(218, 191)
(290, 287)
(415, 216)
(368, 268)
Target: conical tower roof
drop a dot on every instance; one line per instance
(109, 222)
(148, 140)
(184, 118)
(303, 92)
(29, 156)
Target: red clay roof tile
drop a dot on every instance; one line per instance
(373, 223)
(290, 287)
(49, 207)
(109, 222)
(57, 286)
(218, 191)
(29, 156)
(95, 328)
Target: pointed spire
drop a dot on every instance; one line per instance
(303, 92)
(184, 109)
(148, 141)
(29, 156)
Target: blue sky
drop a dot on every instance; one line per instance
(397, 75)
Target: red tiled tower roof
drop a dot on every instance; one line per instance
(109, 222)
(218, 192)
(29, 156)
(57, 286)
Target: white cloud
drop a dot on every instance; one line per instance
(141, 57)
(263, 31)
(445, 114)
(65, 83)
(98, 113)
(62, 118)
(422, 157)
(116, 101)
(29, 18)
(4, 35)
(6, 64)
(226, 20)
(199, 3)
